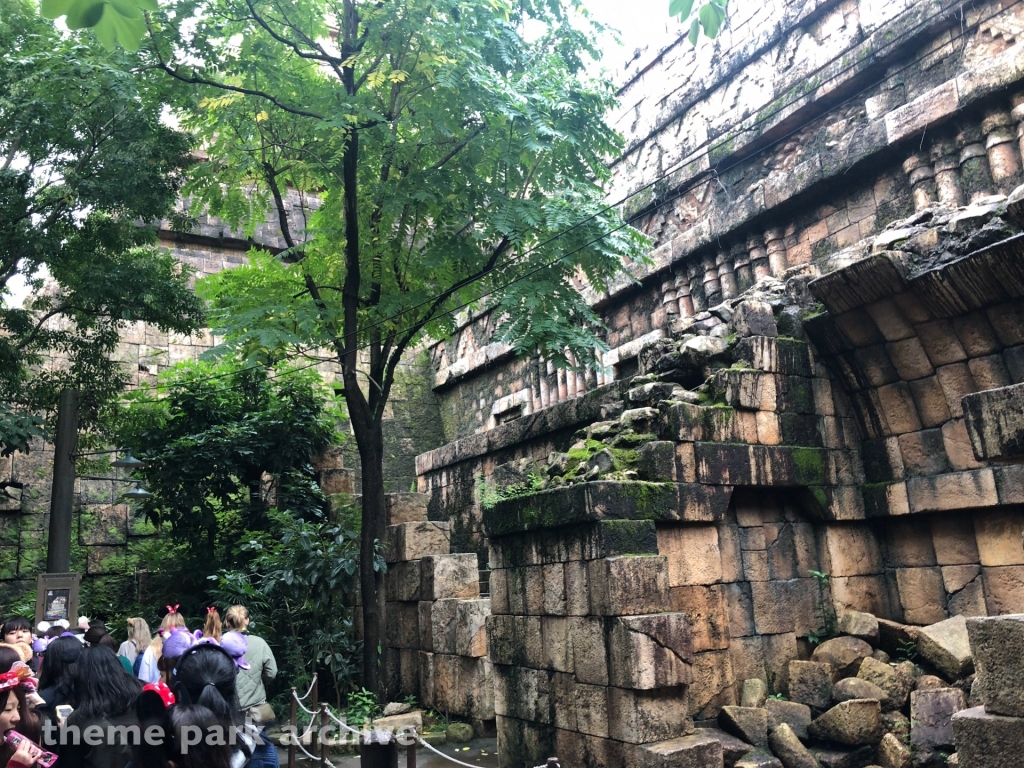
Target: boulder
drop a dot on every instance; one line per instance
(882, 656)
(457, 733)
(758, 758)
(694, 751)
(859, 624)
(810, 683)
(997, 643)
(896, 683)
(931, 716)
(397, 708)
(747, 723)
(787, 747)
(853, 723)
(856, 688)
(754, 318)
(753, 692)
(792, 713)
(893, 753)
(985, 740)
(843, 653)
(947, 647)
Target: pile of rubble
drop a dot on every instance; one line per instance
(853, 704)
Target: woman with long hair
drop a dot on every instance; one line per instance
(15, 711)
(149, 669)
(139, 638)
(104, 696)
(212, 628)
(204, 696)
(55, 675)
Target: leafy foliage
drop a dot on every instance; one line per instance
(113, 21)
(224, 443)
(298, 587)
(83, 158)
(709, 18)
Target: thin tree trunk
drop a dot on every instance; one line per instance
(371, 582)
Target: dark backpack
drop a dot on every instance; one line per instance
(137, 664)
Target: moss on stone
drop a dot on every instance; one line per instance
(809, 465)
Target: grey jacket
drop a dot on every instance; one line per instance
(262, 666)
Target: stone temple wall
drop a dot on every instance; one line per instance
(818, 371)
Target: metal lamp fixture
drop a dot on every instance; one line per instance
(138, 493)
(128, 462)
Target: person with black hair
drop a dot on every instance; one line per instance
(55, 676)
(15, 712)
(205, 697)
(103, 696)
(17, 632)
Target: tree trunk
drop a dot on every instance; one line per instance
(371, 582)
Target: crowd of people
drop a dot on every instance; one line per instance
(173, 699)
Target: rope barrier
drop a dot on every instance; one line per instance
(343, 724)
(311, 685)
(321, 760)
(446, 757)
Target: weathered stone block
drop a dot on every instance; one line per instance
(471, 627)
(792, 713)
(577, 588)
(985, 740)
(411, 541)
(425, 616)
(1004, 589)
(405, 507)
(852, 723)
(627, 586)
(403, 629)
(557, 643)
(589, 650)
(647, 652)
(893, 753)
(785, 606)
(444, 625)
(498, 586)
(998, 534)
(844, 654)
(403, 581)
(747, 723)
(956, 490)
(855, 688)
(921, 594)
(953, 540)
(753, 692)
(860, 625)
(638, 717)
(946, 645)
(693, 554)
(713, 684)
(931, 716)
(592, 709)
(698, 750)
(786, 745)
(450, 576)
(896, 683)
(706, 609)
(513, 640)
(811, 683)
(997, 645)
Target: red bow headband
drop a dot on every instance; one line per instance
(211, 609)
(173, 609)
(19, 674)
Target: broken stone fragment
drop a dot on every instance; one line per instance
(697, 750)
(985, 740)
(947, 647)
(853, 723)
(754, 318)
(753, 692)
(747, 723)
(896, 683)
(855, 688)
(787, 747)
(792, 713)
(859, 624)
(998, 646)
(810, 683)
(843, 653)
(893, 753)
(758, 758)
(602, 461)
(931, 716)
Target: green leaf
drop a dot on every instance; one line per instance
(711, 18)
(52, 9)
(130, 32)
(104, 32)
(680, 8)
(127, 8)
(149, 5)
(694, 32)
(85, 13)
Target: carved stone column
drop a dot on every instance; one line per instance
(775, 246)
(758, 257)
(922, 181)
(1000, 143)
(695, 274)
(683, 294)
(726, 275)
(974, 172)
(741, 264)
(946, 165)
(712, 286)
